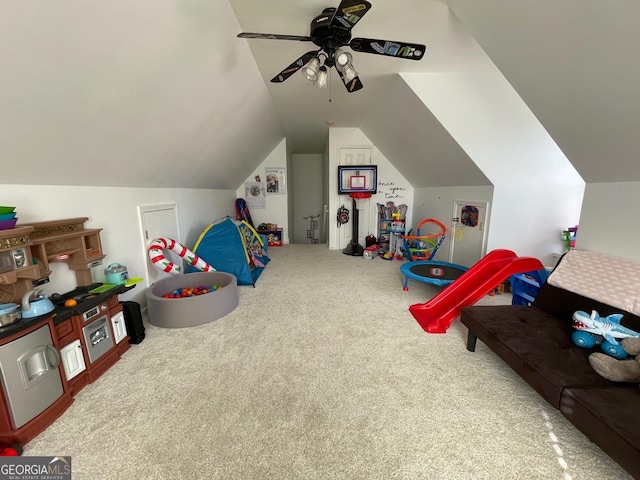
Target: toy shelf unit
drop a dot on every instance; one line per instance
(391, 227)
(272, 234)
(525, 286)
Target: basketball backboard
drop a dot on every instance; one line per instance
(357, 179)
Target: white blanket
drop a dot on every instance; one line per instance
(607, 279)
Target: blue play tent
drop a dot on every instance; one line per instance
(235, 248)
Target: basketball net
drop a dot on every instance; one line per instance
(458, 231)
(361, 199)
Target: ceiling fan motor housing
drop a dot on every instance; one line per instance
(325, 37)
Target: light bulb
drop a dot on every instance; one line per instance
(321, 82)
(343, 60)
(310, 70)
(349, 74)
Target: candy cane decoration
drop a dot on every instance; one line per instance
(156, 255)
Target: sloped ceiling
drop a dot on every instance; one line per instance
(142, 94)
(575, 63)
(155, 94)
(421, 149)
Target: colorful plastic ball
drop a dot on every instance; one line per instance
(191, 291)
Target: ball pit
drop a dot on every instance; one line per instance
(191, 292)
(194, 309)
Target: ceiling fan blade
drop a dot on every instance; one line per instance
(389, 48)
(353, 85)
(294, 67)
(348, 13)
(275, 36)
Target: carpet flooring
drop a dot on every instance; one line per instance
(321, 372)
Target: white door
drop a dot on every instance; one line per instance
(119, 327)
(72, 359)
(468, 233)
(356, 156)
(159, 221)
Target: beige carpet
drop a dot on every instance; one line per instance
(320, 373)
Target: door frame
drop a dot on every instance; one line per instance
(485, 227)
(144, 209)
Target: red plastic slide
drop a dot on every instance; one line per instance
(437, 314)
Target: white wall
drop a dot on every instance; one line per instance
(537, 192)
(396, 188)
(609, 220)
(115, 210)
(437, 202)
(277, 206)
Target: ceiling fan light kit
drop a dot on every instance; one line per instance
(321, 81)
(310, 70)
(331, 30)
(343, 60)
(349, 74)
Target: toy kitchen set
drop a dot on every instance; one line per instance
(54, 346)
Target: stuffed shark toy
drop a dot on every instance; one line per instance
(592, 329)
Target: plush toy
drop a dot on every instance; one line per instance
(619, 370)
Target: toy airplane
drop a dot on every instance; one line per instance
(608, 327)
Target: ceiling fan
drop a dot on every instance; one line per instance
(331, 31)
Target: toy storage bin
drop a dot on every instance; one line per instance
(525, 286)
(191, 311)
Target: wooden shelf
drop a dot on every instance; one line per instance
(58, 256)
(32, 273)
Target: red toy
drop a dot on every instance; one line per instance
(437, 314)
(14, 450)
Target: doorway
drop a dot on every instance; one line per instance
(159, 221)
(307, 199)
(468, 232)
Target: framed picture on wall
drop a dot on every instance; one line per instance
(276, 180)
(254, 194)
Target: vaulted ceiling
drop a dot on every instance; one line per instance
(165, 95)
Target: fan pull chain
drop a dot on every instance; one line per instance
(329, 85)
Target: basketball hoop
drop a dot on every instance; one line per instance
(458, 232)
(360, 198)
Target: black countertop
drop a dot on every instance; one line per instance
(62, 313)
(23, 324)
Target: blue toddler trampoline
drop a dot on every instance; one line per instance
(431, 271)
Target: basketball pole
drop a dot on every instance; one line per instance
(354, 248)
